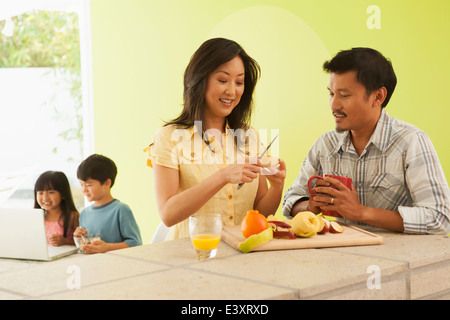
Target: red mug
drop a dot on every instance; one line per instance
(345, 180)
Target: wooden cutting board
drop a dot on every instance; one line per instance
(352, 236)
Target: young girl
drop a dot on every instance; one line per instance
(52, 193)
(199, 173)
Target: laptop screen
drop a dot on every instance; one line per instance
(22, 234)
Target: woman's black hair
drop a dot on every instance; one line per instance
(208, 57)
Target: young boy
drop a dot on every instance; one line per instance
(109, 217)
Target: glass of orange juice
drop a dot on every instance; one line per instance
(205, 230)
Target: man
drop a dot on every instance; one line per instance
(398, 181)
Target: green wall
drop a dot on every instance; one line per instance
(141, 48)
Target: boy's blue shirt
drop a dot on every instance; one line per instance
(114, 221)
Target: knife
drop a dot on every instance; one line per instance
(260, 157)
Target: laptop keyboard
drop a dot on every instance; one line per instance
(53, 251)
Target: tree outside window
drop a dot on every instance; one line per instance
(41, 109)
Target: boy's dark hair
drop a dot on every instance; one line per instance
(97, 167)
(373, 69)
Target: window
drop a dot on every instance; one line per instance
(44, 95)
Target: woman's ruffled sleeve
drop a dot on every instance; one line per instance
(163, 150)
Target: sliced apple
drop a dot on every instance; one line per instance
(307, 235)
(326, 225)
(280, 224)
(281, 229)
(283, 234)
(335, 227)
(321, 225)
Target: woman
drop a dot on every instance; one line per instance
(200, 157)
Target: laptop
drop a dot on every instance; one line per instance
(22, 236)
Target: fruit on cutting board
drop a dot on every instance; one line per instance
(325, 223)
(253, 223)
(255, 240)
(281, 229)
(335, 227)
(305, 224)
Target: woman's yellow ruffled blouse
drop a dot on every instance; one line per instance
(196, 159)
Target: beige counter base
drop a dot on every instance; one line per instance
(409, 266)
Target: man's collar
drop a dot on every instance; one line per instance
(382, 133)
(380, 136)
(344, 142)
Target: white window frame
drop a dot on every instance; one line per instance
(84, 20)
(10, 9)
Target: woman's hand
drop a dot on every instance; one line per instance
(175, 206)
(242, 172)
(275, 174)
(267, 199)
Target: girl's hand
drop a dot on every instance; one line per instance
(57, 240)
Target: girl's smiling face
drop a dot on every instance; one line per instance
(49, 200)
(224, 89)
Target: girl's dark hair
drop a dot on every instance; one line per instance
(208, 57)
(373, 69)
(56, 180)
(97, 167)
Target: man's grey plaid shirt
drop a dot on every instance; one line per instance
(398, 170)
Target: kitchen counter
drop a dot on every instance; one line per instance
(403, 267)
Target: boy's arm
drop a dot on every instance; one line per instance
(116, 246)
(129, 228)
